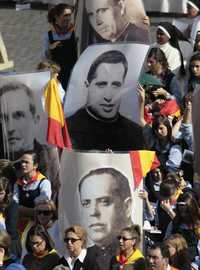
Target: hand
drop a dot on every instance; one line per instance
(146, 20)
(141, 93)
(160, 92)
(143, 194)
(165, 205)
(54, 45)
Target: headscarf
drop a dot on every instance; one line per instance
(195, 4)
(175, 35)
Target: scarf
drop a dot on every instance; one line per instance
(37, 177)
(131, 259)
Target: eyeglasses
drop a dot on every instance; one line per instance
(37, 244)
(44, 212)
(72, 240)
(123, 238)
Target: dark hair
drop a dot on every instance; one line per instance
(161, 119)
(134, 231)
(163, 249)
(159, 56)
(79, 231)
(189, 202)
(122, 184)
(16, 86)
(168, 188)
(39, 230)
(109, 57)
(56, 11)
(192, 77)
(34, 155)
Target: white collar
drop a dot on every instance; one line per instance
(71, 260)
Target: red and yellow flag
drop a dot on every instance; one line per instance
(142, 162)
(57, 133)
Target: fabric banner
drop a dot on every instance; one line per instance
(102, 96)
(23, 124)
(97, 192)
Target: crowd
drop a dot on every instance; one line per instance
(29, 229)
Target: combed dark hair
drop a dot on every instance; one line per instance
(56, 11)
(34, 155)
(159, 56)
(39, 230)
(163, 249)
(16, 86)
(122, 185)
(109, 57)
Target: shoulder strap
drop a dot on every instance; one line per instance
(50, 35)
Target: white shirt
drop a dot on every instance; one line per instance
(81, 257)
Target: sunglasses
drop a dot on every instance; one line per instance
(123, 238)
(44, 212)
(72, 240)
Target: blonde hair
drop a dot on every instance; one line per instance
(177, 241)
(79, 231)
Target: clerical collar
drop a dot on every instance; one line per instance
(101, 119)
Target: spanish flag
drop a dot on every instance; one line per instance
(142, 162)
(57, 133)
(170, 108)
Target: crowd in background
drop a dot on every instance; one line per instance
(171, 234)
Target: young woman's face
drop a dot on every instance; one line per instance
(162, 131)
(38, 245)
(161, 37)
(195, 68)
(154, 66)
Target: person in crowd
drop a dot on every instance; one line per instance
(158, 138)
(178, 250)
(54, 68)
(45, 215)
(9, 216)
(19, 119)
(187, 221)
(157, 65)
(110, 22)
(197, 42)
(78, 257)
(41, 253)
(168, 37)
(31, 185)
(129, 257)
(194, 74)
(158, 258)
(166, 207)
(99, 125)
(60, 42)
(193, 12)
(6, 257)
(152, 183)
(106, 204)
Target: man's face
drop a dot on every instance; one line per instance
(105, 17)
(17, 121)
(155, 260)
(102, 208)
(104, 91)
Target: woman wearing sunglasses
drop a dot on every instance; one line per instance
(129, 257)
(41, 254)
(77, 257)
